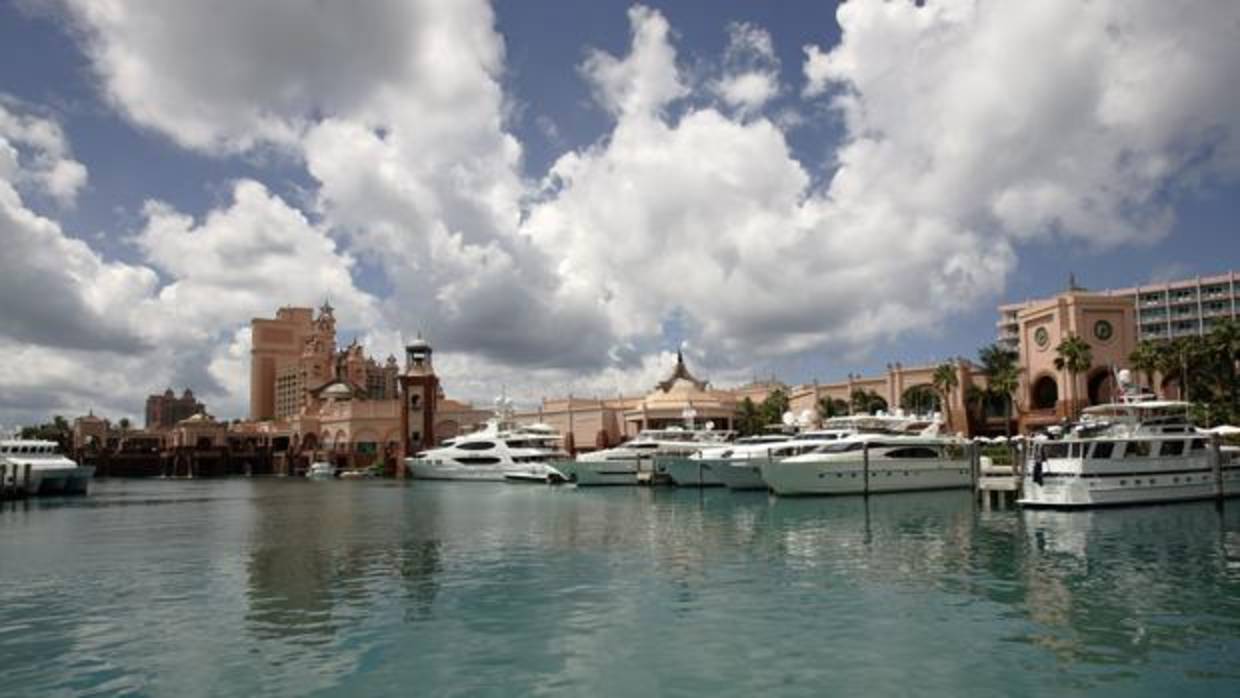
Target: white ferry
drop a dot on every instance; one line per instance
(1137, 451)
(496, 453)
(51, 472)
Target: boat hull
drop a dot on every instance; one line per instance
(602, 472)
(443, 471)
(688, 472)
(739, 475)
(1151, 486)
(853, 477)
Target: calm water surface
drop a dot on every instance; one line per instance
(244, 587)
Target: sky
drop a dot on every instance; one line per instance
(561, 195)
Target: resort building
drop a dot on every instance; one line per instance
(163, 411)
(1164, 310)
(340, 404)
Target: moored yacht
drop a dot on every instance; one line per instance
(51, 472)
(496, 453)
(1139, 450)
(868, 463)
(621, 465)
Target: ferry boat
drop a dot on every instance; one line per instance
(497, 453)
(621, 465)
(1136, 451)
(868, 463)
(51, 472)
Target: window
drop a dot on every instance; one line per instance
(1172, 448)
(476, 445)
(1199, 445)
(1138, 449)
(1103, 449)
(477, 460)
(842, 447)
(1055, 450)
(913, 452)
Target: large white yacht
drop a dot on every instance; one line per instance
(500, 451)
(51, 472)
(871, 462)
(1136, 451)
(739, 467)
(621, 465)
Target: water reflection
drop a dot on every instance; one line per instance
(446, 588)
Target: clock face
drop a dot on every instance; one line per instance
(1103, 330)
(1041, 337)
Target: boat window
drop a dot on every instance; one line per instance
(1199, 444)
(519, 444)
(645, 446)
(1103, 449)
(1138, 449)
(1172, 448)
(477, 460)
(1055, 450)
(841, 447)
(913, 452)
(1074, 450)
(476, 445)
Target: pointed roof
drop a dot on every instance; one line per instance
(681, 372)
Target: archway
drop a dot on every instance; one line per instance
(920, 399)
(1044, 393)
(1101, 386)
(1171, 388)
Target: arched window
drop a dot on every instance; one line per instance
(1101, 387)
(1044, 393)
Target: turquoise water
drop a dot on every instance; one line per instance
(244, 587)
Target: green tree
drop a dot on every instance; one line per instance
(1074, 356)
(1002, 377)
(920, 399)
(773, 407)
(1224, 343)
(945, 381)
(1145, 360)
(124, 424)
(866, 401)
(748, 419)
(829, 407)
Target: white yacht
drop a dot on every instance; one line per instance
(496, 453)
(51, 472)
(1136, 451)
(874, 462)
(739, 467)
(321, 470)
(621, 465)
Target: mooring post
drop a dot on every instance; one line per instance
(26, 481)
(865, 464)
(1216, 463)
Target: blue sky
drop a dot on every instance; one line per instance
(560, 194)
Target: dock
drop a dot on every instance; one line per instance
(997, 486)
(14, 481)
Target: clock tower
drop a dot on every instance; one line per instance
(419, 388)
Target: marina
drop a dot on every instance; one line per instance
(286, 586)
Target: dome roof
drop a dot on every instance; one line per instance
(338, 391)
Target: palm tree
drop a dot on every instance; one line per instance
(945, 380)
(1145, 358)
(1073, 355)
(1224, 343)
(1002, 377)
(867, 401)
